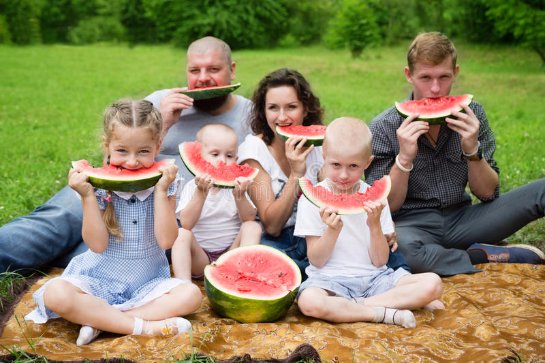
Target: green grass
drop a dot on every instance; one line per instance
(52, 98)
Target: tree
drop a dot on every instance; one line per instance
(354, 25)
(523, 19)
(23, 18)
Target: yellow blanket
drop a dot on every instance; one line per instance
(489, 316)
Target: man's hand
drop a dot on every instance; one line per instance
(173, 105)
(391, 238)
(467, 126)
(407, 134)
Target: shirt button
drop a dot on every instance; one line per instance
(133, 199)
(134, 222)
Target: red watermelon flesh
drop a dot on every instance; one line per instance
(222, 174)
(252, 284)
(434, 109)
(345, 203)
(119, 179)
(313, 133)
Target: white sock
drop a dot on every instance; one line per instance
(172, 326)
(404, 318)
(86, 335)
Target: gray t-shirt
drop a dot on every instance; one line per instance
(191, 120)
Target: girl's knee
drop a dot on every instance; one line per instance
(58, 296)
(190, 298)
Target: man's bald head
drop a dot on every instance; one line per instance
(206, 44)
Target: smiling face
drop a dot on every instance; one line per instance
(132, 147)
(283, 107)
(209, 67)
(429, 80)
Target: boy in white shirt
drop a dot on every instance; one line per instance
(348, 279)
(213, 220)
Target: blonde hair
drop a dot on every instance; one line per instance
(134, 114)
(431, 48)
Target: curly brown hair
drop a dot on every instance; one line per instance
(278, 78)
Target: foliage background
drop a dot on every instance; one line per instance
(356, 24)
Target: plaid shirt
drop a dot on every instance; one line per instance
(440, 175)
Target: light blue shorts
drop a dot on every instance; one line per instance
(355, 286)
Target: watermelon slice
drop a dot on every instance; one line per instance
(223, 175)
(345, 203)
(252, 284)
(435, 109)
(314, 133)
(119, 179)
(210, 92)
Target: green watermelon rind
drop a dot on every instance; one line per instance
(311, 140)
(117, 184)
(435, 118)
(222, 184)
(210, 92)
(249, 309)
(307, 188)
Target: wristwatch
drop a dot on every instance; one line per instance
(476, 156)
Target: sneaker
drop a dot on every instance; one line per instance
(511, 253)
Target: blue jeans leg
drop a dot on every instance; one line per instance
(293, 246)
(396, 260)
(43, 237)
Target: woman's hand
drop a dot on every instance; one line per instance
(297, 153)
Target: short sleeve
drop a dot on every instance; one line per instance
(386, 222)
(308, 221)
(102, 198)
(252, 148)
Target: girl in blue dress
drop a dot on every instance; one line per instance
(122, 284)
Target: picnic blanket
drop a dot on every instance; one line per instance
(496, 314)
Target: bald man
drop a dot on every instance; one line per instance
(51, 234)
(209, 64)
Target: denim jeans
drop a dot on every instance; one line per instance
(49, 236)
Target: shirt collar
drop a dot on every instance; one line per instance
(141, 195)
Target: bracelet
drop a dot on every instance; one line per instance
(401, 167)
(473, 153)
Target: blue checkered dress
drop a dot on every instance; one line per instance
(129, 269)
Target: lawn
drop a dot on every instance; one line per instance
(52, 98)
